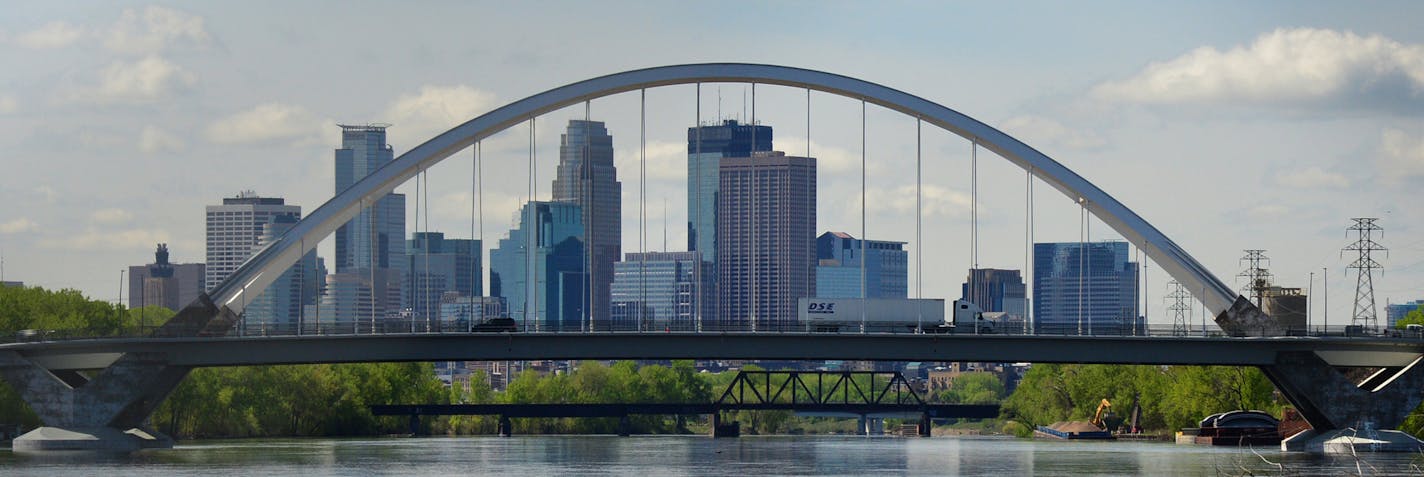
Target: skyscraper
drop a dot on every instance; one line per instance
(706, 146)
(279, 308)
(553, 299)
(996, 290)
(659, 289)
(374, 240)
(1084, 287)
(235, 228)
(439, 265)
(766, 226)
(586, 177)
(838, 267)
(161, 283)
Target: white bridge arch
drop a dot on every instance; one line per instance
(1234, 313)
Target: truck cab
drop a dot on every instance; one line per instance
(969, 319)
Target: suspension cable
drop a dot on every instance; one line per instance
(643, 205)
(919, 236)
(863, 237)
(697, 230)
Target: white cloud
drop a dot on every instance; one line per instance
(8, 104)
(270, 122)
(934, 201)
(1401, 155)
(148, 79)
(667, 161)
(110, 216)
(110, 240)
(1040, 132)
(18, 226)
(51, 35)
(1312, 178)
(154, 140)
(829, 159)
(419, 116)
(155, 29)
(1301, 65)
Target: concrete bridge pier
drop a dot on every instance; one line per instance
(1346, 416)
(505, 427)
(108, 411)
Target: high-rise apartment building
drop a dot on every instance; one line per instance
(838, 268)
(374, 240)
(553, 298)
(706, 146)
(1083, 288)
(439, 265)
(586, 176)
(996, 289)
(235, 228)
(161, 283)
(766, 238)
(659, 289)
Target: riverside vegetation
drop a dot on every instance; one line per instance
(332, 400)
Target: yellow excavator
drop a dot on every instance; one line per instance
(1103, 408)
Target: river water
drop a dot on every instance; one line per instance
(698, 455)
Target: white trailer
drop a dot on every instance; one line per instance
(887, 315)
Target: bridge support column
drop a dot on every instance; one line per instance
(108, 412)
(926, 425)
(505, 428)
(625, 426)
(1359, 413)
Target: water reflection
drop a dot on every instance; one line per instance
(696, 455)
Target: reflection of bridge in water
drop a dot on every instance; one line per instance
(104, 387)
(860, 394)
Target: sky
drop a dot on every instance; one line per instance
(1227, 125)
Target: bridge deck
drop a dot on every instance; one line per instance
(203, 352)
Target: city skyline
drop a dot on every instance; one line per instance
(1312, 155)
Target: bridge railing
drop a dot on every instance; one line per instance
(420, 326)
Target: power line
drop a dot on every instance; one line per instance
(1181, 307)
(1257, 277)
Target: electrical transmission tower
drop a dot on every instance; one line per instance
(1181, 307)
(1364, 265)
(1257, 278)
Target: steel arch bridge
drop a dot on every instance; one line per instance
(1234, 313)
(141, 373)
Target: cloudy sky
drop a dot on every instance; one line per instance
(1229, 126)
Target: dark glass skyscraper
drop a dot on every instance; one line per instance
(553, 299)
(586, 177)
(1084, 287)
(996, 290)
(706, 146)
(438, 265)
(766, 238)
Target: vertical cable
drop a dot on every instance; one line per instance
(755, 287)
(810, 199)
(417, 299)
(643, 206)
(1028, 242)
(863, 237)
(697, 230)
(1082, 254)
(919, 235)
(425, 177)
(588, 211)
(530, 232)
(302, 294)
(974, 223)
(1028, 269)
(1088, 239)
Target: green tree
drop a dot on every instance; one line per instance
(1415, 317)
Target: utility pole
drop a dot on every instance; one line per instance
(1181, 307)
(1364, 265)
(1257, 277)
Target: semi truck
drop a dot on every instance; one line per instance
(891, 315)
